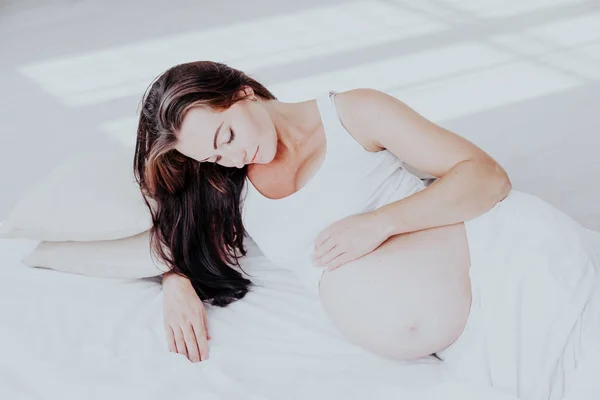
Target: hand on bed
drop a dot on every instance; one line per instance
(348, 239)
(184, 318)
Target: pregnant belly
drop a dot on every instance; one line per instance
(409, 298)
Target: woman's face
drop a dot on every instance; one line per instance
(241, 135)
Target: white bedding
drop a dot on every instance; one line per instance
(67, 336)
(535, 315)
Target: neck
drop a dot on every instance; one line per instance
(294, 122)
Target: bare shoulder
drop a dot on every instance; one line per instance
(358, 112)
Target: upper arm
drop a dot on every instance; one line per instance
(380, 121)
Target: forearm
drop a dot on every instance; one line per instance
(469, 189)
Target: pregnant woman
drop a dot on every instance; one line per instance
(497, 283)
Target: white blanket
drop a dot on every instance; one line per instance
(68, 337)
(534, 327)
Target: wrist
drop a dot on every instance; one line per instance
(167, 275)
(385, 224)
(175, 278)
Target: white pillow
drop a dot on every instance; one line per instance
(122, 258)
(91, 196)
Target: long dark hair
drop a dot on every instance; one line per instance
(196, 218)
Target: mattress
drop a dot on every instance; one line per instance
(66, 336)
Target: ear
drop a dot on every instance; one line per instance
(246, 91)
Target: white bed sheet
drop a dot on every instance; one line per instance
(65, 336)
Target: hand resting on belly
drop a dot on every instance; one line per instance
(408, 298)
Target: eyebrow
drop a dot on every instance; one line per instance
(215, 138)
(217, 135)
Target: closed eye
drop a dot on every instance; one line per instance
(232, 135)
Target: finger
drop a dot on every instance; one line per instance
(191, 344)
(339, 261)
(170, 339)
(323, 236)
(330, 256)
(201, 339)
(180, 341)
(205, 321)
(325, 247)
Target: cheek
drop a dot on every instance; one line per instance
(256, 135)
(263, 127)
(258, 130)
(273, 139)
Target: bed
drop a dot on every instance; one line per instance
(68, 336)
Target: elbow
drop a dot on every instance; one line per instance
(492, 183)
(500, 184)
